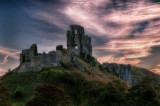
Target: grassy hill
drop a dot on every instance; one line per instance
(78, 85)
(86, 88)
(138, 74)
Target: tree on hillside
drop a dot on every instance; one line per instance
(144, 93)
(114, 94)
(48, 95)
(4, 95)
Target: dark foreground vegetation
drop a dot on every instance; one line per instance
(61, 87)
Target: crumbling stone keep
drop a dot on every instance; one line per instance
(77, 41)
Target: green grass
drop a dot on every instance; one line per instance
(78, 85)
(25, 80)
(139, 73)
(83, 88)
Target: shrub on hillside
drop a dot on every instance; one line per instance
(59, 47)
(19, 93)
(91, 60)
(53, 76)
(101, 67)
(66, 64)
(144, 93)
(113, 94)
(4, 95)
(49, 95)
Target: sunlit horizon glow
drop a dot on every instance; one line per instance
(122, 32)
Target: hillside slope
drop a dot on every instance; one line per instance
(75, 82)
(139, 73)
(82, 88)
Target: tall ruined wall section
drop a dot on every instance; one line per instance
(121, 71)
(77, 41)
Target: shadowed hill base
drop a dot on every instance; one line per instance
(88, 88)
(78, 85)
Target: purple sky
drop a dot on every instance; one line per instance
(122, 31)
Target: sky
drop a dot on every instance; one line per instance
(122, 31)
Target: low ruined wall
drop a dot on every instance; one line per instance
(120, 70)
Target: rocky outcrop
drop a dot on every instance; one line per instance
(78, 64)
(120, 70)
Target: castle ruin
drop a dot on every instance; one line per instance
(77, 43)
(31, 60)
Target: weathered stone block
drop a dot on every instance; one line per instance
(78, 64)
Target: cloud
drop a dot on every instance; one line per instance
(11, 64)
(5, 60)
(9, 53)
(151, 61)
(133, 50)
(125, 32)
(156, 69)
(122, 31)
(2, 72)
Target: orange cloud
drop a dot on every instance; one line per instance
(116, 25)
(119, 60)
(137, 12)
(2, 72)
(132, 49)
(156, 69)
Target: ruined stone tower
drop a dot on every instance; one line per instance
(77, 41)
(28, 54)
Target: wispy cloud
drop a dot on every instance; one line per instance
(2, 72)
(130, 32)
(5, 60)
(9, 53)
(156, 69)
(131, 28)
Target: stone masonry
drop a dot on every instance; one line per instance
(31, 60)
(77, 41)
(121, 71)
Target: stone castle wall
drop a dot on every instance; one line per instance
(77, 41)
(31, 60)
(121, 71)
